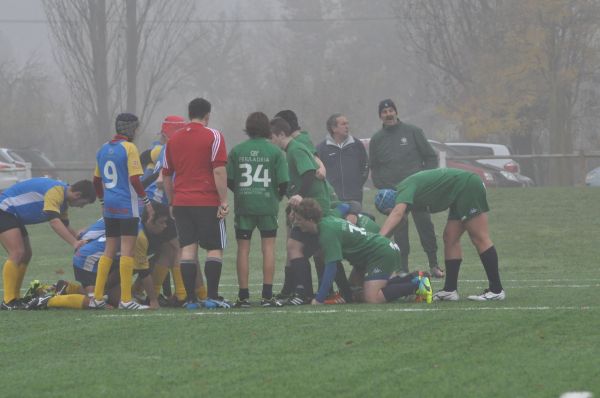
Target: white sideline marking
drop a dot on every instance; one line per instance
(341, 310)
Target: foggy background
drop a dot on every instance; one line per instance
(522, 73)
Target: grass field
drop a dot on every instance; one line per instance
(542, 341)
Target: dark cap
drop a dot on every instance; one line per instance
(387, 103)
(290, 117)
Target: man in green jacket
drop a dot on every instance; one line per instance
(397, 151)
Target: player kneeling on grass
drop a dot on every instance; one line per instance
(464, 194)
(32, 202)
(85, 264)
(340, 240)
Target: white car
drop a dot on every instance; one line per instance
(484, 149)
(13, 168)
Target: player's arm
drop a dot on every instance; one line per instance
(326, 282)
(321, 172)
(308, 178)
(428, 154)
(220, 175)
(135, 171)
(98, 186)
(393, 219)
(59, 221)
(219, 163)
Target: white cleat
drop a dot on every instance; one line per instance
(443, 295)
(132, 305)
(97, 304)
(488, 295)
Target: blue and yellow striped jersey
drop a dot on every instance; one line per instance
(116, 162)
(32, 201)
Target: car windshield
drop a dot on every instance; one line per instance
(37, 159)
(15, 156)
(474, 150)
(450, 151)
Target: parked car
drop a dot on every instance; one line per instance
(490, 175)
(41, 166)
(484, 149)
(592, 179)
(14, 165)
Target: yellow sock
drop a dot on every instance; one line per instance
(73, 288)
(104, 265)
(158, 276)
(179, 286)
(74, 301)
(10, 278)
(202, 293)
(22, 268)
(126, 273)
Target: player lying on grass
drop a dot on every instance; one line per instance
(85, 261)
(464, 194)
(29, 202)
(340, 240)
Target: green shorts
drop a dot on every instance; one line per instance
(384, 264)
(244, 225)
(471, 202)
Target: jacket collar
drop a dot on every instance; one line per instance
(330, 141)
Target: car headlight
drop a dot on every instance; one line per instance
(509, 176)
(590, 176)
(488, 176)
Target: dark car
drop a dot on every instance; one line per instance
(41, 166)
(491, 176)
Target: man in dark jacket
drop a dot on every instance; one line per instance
(345, 159)
(397, 151)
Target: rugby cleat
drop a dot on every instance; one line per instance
(335, 299)
(443, 295)
(437, 272)
(39, 303)
(488, 295)
(132, 305)
(424, 290)
(191, 305)
(272, 302)
(242, 303)
(216, 303)
(296, 299)
(96, 304)
(60, 287)
(16, 304)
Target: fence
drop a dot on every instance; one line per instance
(536, 166)
(540, 167)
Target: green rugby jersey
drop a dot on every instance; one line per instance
(340, 239)
(432, 190)
(257, 167)
(300, 160)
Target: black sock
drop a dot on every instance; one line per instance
(489, 259)
(301, 271)
(452, 268)
(267, 291)
(244, 294)
(212, 270)
(189, 271)
(397, 290)
(288, 280)
(166, 286)
(341, 280)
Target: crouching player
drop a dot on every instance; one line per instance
(340, 240)
(31, 202)
(85, 263)
(464, 194)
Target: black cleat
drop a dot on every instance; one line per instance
(39, 303)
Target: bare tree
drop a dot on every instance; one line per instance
(91, 50)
